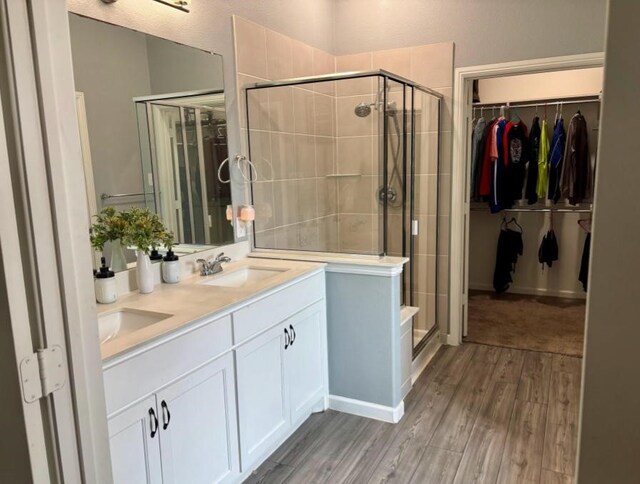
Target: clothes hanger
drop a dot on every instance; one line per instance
(585, 224)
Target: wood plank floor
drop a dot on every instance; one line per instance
(478, 414)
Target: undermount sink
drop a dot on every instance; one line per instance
(117, 323)
(243, 277)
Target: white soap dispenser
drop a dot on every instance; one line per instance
(105, 284)
(171, 268)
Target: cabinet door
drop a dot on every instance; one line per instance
(134, 441)
(263, 409)
(304, 360)
(198, 432)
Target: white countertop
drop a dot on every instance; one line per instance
(191, 301)
(329, 258)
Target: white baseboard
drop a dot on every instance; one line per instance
(425, 356)
(533, 291)
(367, 409)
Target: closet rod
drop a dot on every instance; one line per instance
(561, 210)
(531, 104)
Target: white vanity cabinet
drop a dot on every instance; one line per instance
(210, 402)
(185, 432)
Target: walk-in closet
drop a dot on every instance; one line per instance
(530, 180)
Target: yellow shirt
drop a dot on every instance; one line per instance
(543, 161)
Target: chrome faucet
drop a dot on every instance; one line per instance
(210, 267)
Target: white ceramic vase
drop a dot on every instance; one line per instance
(144, 273)
(118, 260)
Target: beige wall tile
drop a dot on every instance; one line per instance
(394, 235)
(309, 235)
(325, 112)
(446, 143)
(279, 56)
(258, 104)
(251, 48)
(355, 62)
(305, 149)
(348, 124)
(396, 61)
(356, 233)
(425, 273)
(263, 203)
(425, 194)
(426, 317)
(261, 154)
(307, 199)
(426, 240)
(283, 157)
(288, 237)
(355, 156)
(447, 107)
(281, 116)
(444, 201)
(327, 190)
(325, 155)
(286, 203)
(265, 239)
(355, 195)
(432, 65)
(444, 229)
(302, 59)
(328, 234)
(427, 153)
(303, 111)
(323, 63)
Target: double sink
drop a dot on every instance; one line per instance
(123, 321)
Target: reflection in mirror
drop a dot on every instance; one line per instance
(153, 131)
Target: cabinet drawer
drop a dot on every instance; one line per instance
(266, 312)
(155, 366)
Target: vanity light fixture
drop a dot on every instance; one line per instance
(177, 4)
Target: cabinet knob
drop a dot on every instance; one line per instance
(153, 422)
(293, 334)
(287, 339)
(166, 415)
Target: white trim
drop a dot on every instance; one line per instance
(534, 291)
(425, 356)
(364, 270)
(367, 409)
(458, 257)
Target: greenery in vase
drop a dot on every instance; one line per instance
(145, 230)
(110, 225)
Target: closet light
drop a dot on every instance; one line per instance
(178, 4)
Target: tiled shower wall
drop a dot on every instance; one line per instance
(431, 66)
(300, 135)
(292, 139)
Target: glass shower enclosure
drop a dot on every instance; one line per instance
(349, 163)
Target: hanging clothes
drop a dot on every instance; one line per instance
(576, 177)
(532, 171)
(548, 251)
(499, 188)
(477, 142)
(484, 183)
(556, 158)
(516, 156)
(583, 276)
(543, 161)
(510, 246)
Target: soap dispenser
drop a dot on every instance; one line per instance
(105, 284)
(170, 268)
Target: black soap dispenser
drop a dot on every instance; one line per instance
(105, 284)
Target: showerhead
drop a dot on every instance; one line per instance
(363, 110)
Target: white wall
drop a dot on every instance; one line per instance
(609, 441)
(546, 85)
(484, 32)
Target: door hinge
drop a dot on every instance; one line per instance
(42, 373)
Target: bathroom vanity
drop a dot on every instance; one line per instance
(204, 379)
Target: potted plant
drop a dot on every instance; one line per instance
(170, 262)
(110, 226)
(144, 231)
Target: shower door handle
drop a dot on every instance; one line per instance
(415, 228)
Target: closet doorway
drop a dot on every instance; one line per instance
(526, 209)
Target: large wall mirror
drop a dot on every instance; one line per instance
(153, 130)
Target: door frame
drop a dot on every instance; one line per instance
(460, 204)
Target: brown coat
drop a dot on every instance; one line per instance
(577, 178)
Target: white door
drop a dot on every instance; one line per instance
(135, 444)
(263, 409)
(198, 432)
(304, 360)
